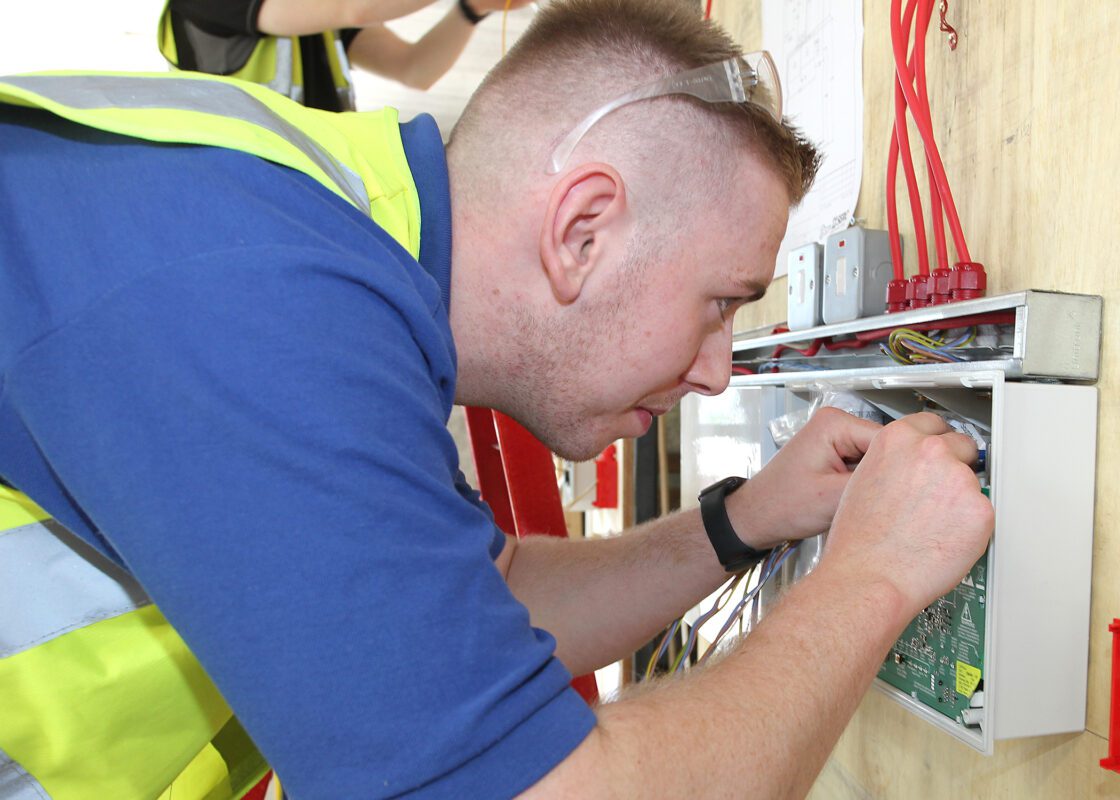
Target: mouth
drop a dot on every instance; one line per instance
(646, 415)
(645, 420)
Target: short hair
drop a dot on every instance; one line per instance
(579, 53)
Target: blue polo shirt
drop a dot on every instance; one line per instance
(223, 376)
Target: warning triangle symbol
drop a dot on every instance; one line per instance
(966, 616)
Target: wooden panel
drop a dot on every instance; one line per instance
(1027, 119)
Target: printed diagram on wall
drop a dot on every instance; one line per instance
(818, 48)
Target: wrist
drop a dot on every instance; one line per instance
(863, 586)
(469, 13)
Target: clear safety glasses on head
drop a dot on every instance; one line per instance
(752, 78)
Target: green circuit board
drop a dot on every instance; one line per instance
(939, 658)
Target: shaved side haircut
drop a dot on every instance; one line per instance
(579, 54)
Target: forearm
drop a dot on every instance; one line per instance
(604, 598)
(757, 723)
(436, 51)
(300, 18)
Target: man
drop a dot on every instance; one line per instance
(305, 49)
(221, 374)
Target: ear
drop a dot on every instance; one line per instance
(587, 209)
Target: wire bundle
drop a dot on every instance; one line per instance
(763, 571)
(907, 346)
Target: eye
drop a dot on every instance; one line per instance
(728, 305)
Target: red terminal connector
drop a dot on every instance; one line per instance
(968, 280)
(1112, 762)
(939, 291)
(918, 291)
(896, 295)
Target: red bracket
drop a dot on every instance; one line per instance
(606, 479)
(1113, 760)
(518, 481)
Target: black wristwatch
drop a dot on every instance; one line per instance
(730, 550)
(473, 17)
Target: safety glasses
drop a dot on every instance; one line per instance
(751, 78)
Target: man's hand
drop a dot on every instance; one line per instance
(797, 492)
(913, 512)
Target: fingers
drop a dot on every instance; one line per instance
(960, 446)
(850, 435)
(925, 422)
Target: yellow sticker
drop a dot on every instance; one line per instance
(968, 678)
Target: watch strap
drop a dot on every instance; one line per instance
(472, 16)
(732, 552)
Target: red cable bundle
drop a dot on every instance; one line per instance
(966, 280)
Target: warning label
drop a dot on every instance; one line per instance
(968, 678)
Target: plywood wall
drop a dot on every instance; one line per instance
(1027, 115)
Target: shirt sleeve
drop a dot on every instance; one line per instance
(260, 434)
(347, 36)
(221, 17)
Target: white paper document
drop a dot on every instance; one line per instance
(817, 46)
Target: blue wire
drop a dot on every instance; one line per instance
(932, 351)
(768, 571)
(665, 641)
(778, 365)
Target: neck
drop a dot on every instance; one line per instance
(477, 287)
(496, 278)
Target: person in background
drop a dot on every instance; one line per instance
(305, 49)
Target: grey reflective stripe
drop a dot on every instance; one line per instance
(16, 783)
(184, 94)
(51, 582)
(345, 93)
(282, 81)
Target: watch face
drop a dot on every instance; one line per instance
(728, 484)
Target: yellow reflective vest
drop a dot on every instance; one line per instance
(99, 697)
(272, 61)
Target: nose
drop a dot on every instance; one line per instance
(710, 371)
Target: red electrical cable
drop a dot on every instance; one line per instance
(892, 192)
(894, 235)
(808, 352)
(864, 338)
(946, 27)
(708, 10)
(925, 14)
(925, 128)
(892, 208)
(903, 137)
(846, 344)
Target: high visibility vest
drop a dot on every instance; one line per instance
(272, 61)
(99, 697)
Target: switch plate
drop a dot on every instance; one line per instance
(857, 269)
(805, 266)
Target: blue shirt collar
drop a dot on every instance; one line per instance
(423, 147)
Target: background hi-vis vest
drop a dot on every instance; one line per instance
(272, 61)
(99, 697)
